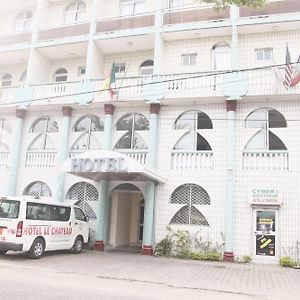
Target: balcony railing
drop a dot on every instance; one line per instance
(138, 155)
(15, 38)
(4, 159)
(62, 31)
(266, 160)
(272, 8)
(43, 159)
(187, 160)
(8, 94)
(125, 23)
(195, 14)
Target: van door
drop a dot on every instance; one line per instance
(81, 224)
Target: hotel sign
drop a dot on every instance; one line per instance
(265, 197)
(97, 165)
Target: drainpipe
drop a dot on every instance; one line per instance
(63, 151)
(103, 205)
(231, 104)
(150, 185)
(15, 153)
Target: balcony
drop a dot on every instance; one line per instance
(191, 160)
(63, 31)
(16, 38)
(40, 159)
(272, 8)
(8, 94)
(266, 160)
(125, 23)
(136, 154)
(4, 159)
(195, 14)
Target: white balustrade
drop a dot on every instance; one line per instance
(266, 160)
(4, 159)
(138, 155)
(53, 90)
(43, 159)
(191, 159)
(8, 94)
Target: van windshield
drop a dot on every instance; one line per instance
(9, 209)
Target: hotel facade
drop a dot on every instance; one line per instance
(199, 134)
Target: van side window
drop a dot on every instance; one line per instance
(60, 213)
(79, 215)
(36, 211)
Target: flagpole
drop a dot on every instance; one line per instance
(121, 83)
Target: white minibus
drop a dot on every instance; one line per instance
(36, 226)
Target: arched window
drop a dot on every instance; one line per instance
(131, 7)
(74, 12)
(193, 121)
(131, 123)
(4, 131)
(6, 80)
(189, 195)
(146, 68)
(38, 189)
(23, 76)
(43, 126)
(61, 75)
(87, 125)
(23, 21)
(264, 139)
(82, 193)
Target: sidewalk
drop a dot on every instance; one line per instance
(257, 281)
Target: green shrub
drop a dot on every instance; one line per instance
(164, 247)
(286, 261)
(214, 256)
(247, 259)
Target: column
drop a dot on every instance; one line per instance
(102, 204)
(231, 104)
(63, 151)
(150, 185)
(15, 153)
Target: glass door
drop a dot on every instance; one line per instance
(265, 233)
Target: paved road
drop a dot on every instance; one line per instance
(93, 275)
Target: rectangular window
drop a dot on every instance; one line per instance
(130, 7)
(189, 59)
(81, 71)
(264, 54)
(175, 3)
(9, 209)
(120, 67)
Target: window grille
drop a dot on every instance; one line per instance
(189, 215)
(37, 189)
(82, 192)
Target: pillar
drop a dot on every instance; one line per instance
(15, 153)
(63, 151)
(150, 185)
(102, 204)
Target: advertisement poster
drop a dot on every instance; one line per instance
(265, 245)
(265, 221)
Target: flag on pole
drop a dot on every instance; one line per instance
(288, 69)
(296, 79)
(109, 82)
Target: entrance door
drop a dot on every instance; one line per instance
(265, 225)
(221, 62)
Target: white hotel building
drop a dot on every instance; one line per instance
(186, 142)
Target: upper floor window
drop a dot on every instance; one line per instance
(175, 3)
(23, 21)
(131, 123)
(130, 7)
(44, 125)
(146, 67)
(61, 75)
(87, 125)
(120, 67)
(264, 139)
(6, 80)
(221, 57)
(193, 121)
(264, 54)
(75, 12)
(189, 59)
(81, 71)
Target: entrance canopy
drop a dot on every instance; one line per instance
(110, 165)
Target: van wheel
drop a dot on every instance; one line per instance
(2, 252)
(37, 249)
(78, 245)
